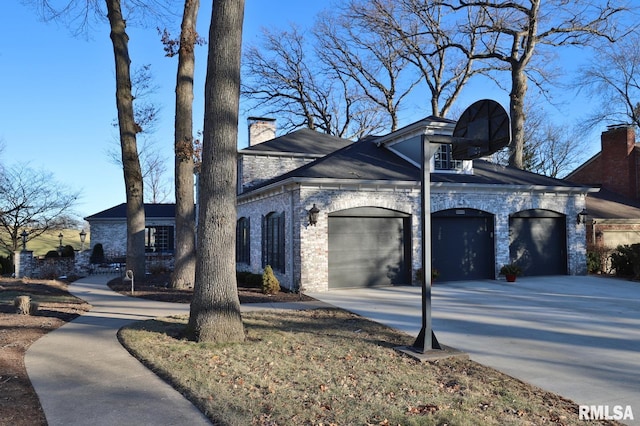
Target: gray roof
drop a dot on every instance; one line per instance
(365, 160)
(150, 211)
(303, 141)
(609, 205)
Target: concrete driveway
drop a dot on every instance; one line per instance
(575, 336)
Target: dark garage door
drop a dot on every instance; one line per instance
(537, 242)
(369, 247)
(462, 244)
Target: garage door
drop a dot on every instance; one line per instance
(538, 241)
(462, 244)
(369, 247)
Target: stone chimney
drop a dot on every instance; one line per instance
(261, 130)
(618, 160)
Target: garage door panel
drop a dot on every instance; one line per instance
(538, 244)
(462, 247)
(367, 252)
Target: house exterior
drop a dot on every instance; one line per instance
(613, 212)
(368, 228)
(109, 228)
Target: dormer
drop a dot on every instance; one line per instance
(407, 144)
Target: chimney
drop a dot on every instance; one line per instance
(261, 130)
(618, 166)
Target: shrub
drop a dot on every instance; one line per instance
(596, 259)
(6, 264)
(248, 279)
(68, 251)
(270, 284)
(52, 254)
(97, 254)
(626, 261)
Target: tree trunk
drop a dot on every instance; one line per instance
(185, 263)
(215, 308)
(516, 109)
(128, 129)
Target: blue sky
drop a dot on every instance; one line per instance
(58, 94)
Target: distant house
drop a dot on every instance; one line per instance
(368, 227)
(613, 212)
(109, 228)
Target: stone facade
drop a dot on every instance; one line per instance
(256, 169)
(307, 246)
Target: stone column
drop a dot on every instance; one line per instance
(23, 262)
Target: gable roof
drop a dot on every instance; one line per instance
(303, 141)
(150, 211)
(366, 160)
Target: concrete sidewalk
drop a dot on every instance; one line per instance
(83, 376)
(578, 337)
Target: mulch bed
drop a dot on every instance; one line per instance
(156, 288)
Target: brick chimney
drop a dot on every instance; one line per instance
(261, 130)
(618, 166)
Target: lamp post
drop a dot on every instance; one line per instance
(83, 236)
(24, 236)
(60, 246)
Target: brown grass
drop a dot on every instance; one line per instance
(332, 367)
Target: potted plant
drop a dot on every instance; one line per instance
(434, 274)
(510, 271)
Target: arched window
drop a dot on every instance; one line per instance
(273, 241)
(243, 240)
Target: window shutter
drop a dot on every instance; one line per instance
(247, 247)
(281, 239)
(264, 241)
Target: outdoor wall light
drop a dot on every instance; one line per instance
(582, 217)
(313, 215)
(24, 236)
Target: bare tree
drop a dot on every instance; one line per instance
(368, 56)
(128, 130)
(513, 32)
(184, 271)
(550, 149)
(215, 307)
(425, 34)
(613, 78)
(285, 78)
(32, 201)
(146, 114)
(154, 167)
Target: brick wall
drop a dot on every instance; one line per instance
(255, 169)
(616, 167)
(307, 246)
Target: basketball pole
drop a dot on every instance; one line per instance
(422, 343)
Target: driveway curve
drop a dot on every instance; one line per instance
(577, 336)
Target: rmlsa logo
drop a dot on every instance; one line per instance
(605, 412)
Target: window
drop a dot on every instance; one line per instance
(273, 241)
(444, 161)
(158, 239)
(243, 246)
